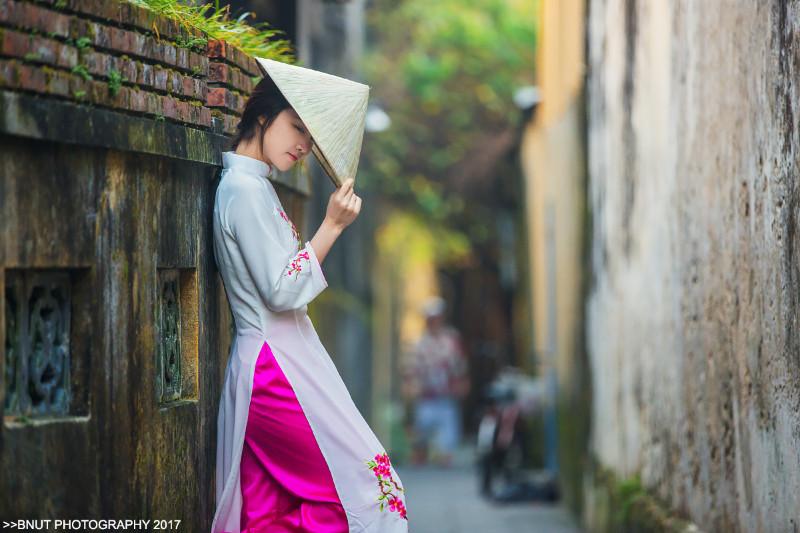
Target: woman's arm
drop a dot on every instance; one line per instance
(343, 207)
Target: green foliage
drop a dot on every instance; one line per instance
(258, 39)
(32, 56)
(79, 94)
(115, 79)
(445, 72)
(81, 71)
(191, 42)
(83, 42)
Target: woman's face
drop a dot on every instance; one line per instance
(286, 140)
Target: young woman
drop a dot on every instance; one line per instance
(293, 451)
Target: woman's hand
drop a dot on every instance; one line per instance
(343, 205)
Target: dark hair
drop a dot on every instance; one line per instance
(266, 101)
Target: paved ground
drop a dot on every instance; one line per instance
(447, 501)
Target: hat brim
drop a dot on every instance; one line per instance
(326, 166)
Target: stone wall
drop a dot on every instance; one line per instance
(114, 328)
(693, 329)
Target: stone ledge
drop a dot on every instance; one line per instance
(50, 82)
(63, 121)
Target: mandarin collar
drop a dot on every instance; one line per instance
(246, 163)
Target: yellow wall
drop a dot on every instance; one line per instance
(552, 161)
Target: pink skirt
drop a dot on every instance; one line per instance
(286, 484)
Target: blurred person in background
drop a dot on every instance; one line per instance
(436, 381)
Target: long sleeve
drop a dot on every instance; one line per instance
(285, 278)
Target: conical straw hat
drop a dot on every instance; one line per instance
(332, 108)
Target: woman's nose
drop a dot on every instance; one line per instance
(304, 148)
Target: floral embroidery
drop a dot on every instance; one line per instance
(295, 233)
(380, 466)
(295, 267)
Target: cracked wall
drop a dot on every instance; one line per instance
(692, 316)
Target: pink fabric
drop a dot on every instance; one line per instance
(286, 484)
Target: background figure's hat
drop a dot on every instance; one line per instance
(433, 306)
(332, 108)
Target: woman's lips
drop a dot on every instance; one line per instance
(294, 158)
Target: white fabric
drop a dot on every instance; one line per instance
(255, 249)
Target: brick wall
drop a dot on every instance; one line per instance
(120, 56)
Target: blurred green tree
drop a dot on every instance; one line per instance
(445, 72)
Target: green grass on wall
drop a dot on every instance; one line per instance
(257, 39)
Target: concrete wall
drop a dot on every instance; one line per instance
(692, 319)
(114, 326)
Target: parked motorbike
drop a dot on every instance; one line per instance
(504, 443)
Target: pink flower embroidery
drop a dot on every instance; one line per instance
(291, 224)
(389, 488)
(295, 267)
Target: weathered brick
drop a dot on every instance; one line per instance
(205, 116)
(120, 39)
(102, 35)
(31, 78)
(223, 50)
(174, 82)
(216, 49)
(230, 123)
(136, 101)
(9, 74)
(223, 97)
(160, 75)
(129, 70)
(170, 108)
(188, 86)
(154, 103)
(138, 43)
(121, 99)
(197, 61)
(216, 97)
(34, 17)
(146, 74)
(218, 72)
(129, 14)
(17, 44)
(183, 111)
(182, 58)
(232, 76)
(57, 82)
(170, 54)
(29, 16)
(101, 60)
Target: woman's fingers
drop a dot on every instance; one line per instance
(346, 188)
(350, 191)
(351, 202)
